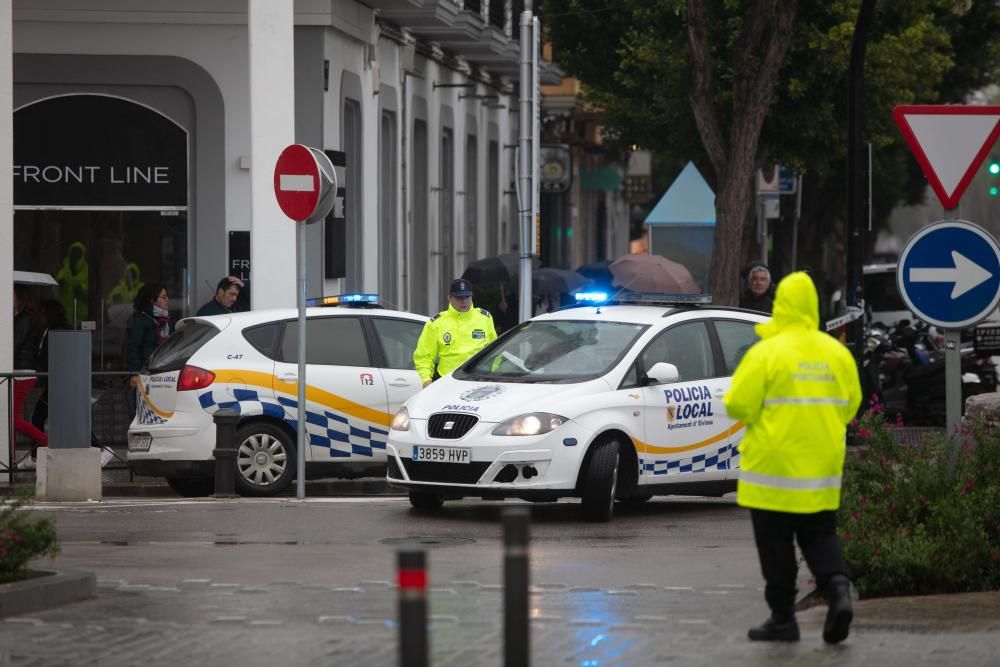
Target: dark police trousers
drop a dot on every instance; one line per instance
(817, 537)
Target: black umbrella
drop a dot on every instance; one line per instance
(597, 271)
(556, 281)
(500, 269)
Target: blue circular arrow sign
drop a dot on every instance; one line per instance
(949, 274)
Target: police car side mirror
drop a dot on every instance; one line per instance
(662, 373)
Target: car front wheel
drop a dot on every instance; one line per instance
(265, 459)
(600, 481)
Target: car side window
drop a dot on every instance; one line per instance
(262, 337)
(686, 346)
(735, 338)
(398, 339)
(330, 341)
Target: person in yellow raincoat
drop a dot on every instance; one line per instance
(452, 336)
(796, 390)
(73, 277)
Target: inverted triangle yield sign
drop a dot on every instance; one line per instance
(949, 142)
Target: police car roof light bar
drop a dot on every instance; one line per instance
(662, 298)
(591, 297)
(355, 299)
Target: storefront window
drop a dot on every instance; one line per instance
(100, 198)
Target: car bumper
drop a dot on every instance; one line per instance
(500, 465)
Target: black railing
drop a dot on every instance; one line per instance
(112, 408)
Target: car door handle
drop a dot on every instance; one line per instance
(289, 377)
(400, 383)
(719, 393)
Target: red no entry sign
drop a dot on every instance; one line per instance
(304, 181)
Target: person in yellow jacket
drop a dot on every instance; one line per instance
(796, 390)
(454, 335)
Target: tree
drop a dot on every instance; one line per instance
(732, 83)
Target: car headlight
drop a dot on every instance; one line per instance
(534, 423)
(401, 422)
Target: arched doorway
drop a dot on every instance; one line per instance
(101, 204)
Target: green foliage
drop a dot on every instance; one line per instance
(907, 527)
(633, 58)
(22, 538)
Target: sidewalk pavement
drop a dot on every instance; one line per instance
(117, 483)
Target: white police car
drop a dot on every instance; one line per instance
(359, 372)
(606, 402)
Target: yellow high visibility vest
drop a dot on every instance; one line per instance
(796, 390)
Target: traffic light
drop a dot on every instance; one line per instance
(993, 167)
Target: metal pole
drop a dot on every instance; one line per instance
(525, 134)
(301, 442)
(536, 123)
(795, 225)
(413, 644)
(953, 392)
(856, 172)
(516, 639)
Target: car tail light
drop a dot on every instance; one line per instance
(193, 377)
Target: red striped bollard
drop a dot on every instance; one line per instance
(413, 645)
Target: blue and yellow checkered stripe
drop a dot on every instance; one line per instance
(724, 458)
(342, 436)
(144, 413)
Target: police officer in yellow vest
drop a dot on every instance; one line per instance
(796, 390)
(454, 335)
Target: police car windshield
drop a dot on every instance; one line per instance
(554, 351)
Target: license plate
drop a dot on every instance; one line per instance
(442, 454)
(140, 442)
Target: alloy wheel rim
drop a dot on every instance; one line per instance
(261, 459)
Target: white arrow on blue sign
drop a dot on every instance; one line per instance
(949, 274)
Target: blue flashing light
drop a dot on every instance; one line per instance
(591, 297)
(345, 299)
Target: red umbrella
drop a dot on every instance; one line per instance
(652, 273)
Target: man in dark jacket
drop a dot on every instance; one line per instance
(759, 292)
(226, 293)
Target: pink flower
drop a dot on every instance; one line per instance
(923, 500)
(899, 419)
(847, 537)
(864, 433)
(857, 516)
(854, 423)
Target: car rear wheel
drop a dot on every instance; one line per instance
(600, 481)
(265, 459)
(424, 500)
(192, 487)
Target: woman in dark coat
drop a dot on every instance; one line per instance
(150, 326)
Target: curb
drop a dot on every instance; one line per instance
(51, 589)
(314, 488)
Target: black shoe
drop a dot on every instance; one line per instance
(775, 631)
(839, 615)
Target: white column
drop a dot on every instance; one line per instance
(272, 127)
(6, 214)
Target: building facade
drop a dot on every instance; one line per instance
(145, 135)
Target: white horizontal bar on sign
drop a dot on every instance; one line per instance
(296, 183)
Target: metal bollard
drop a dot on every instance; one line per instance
(413, 645)
(516, 640)
(225, 452)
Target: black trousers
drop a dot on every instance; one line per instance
(774, 533)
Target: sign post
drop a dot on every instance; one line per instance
(305, 186)
(949, 272)
(949, 276)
